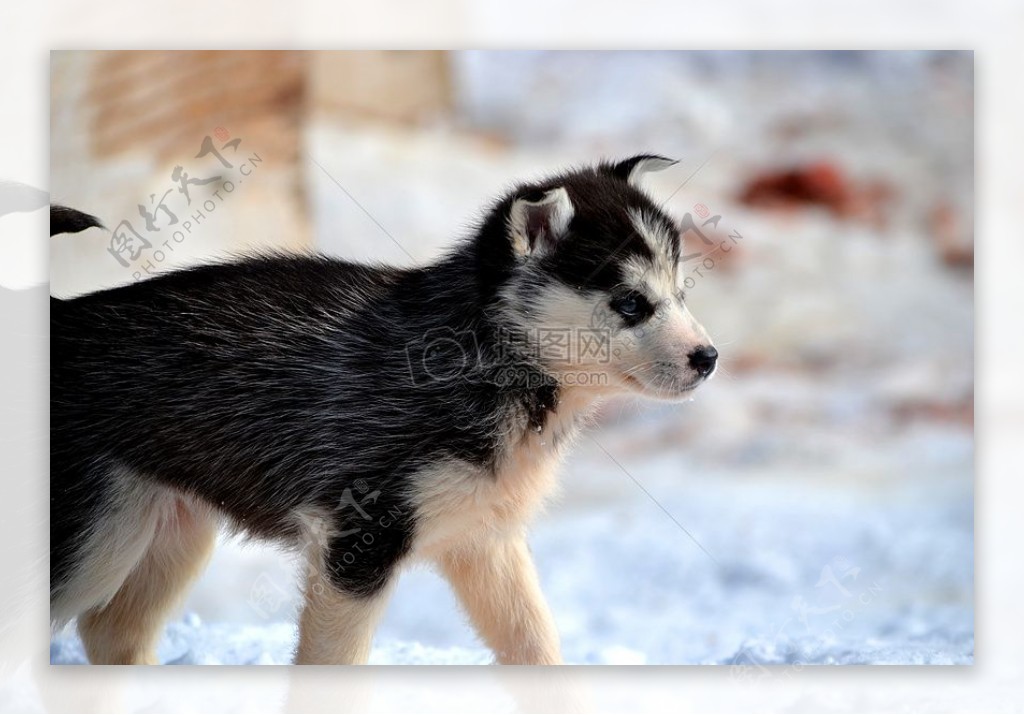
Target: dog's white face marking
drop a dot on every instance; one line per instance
(660, 241)
(656, 354)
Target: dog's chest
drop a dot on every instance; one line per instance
(456, 500)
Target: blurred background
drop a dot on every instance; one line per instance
(813, 504)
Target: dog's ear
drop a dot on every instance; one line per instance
(632, 169)
(538, 220)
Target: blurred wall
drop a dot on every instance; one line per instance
(405, 87)
(121, 125)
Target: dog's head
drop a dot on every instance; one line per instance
(596, 282)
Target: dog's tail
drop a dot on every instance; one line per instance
(65, 220)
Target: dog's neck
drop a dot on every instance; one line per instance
(472, 279)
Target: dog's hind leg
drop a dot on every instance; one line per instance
(126, 630)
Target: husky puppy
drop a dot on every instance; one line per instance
(370, 416)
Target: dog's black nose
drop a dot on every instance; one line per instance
(703, 359)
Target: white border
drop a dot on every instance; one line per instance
(993, 29)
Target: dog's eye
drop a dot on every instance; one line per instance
(632, 306)
(628, 306)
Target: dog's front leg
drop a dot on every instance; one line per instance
(496, 581)
(337, 625)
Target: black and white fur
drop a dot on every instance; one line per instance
(280, 393)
